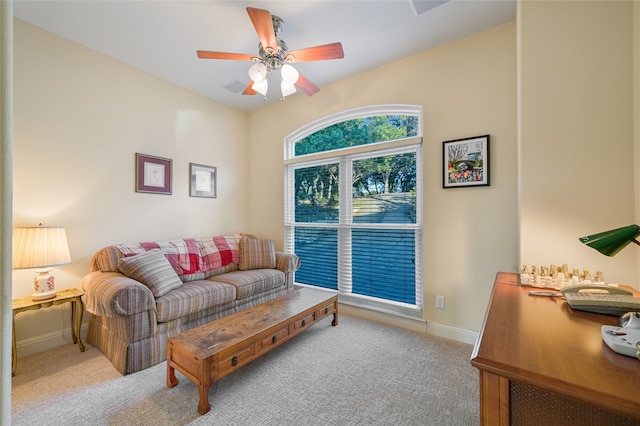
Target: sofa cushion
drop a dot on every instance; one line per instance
(216, 252)
(257, 254)
(193, 296)
(151, 269)
(248, 283)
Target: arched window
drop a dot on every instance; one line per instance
(353, 206)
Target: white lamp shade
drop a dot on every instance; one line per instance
(258, 72)
(289, 74)
(261, 87)
(40, 247)
(287, 88)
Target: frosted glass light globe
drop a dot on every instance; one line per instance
(258, 72)
(287, 88)
(289, 73)
(261, 87)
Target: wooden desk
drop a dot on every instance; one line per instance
(72, 295)
(542, 362)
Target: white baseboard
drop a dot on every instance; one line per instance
(417, 325)
(43, 342)
(453, 333)
(413, 324)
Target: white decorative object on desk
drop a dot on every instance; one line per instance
(560, 280)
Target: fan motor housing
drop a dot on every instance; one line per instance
(274, 60)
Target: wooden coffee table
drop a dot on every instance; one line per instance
(207, 353)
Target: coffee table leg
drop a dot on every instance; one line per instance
(171, 376)
(203, 405)
(335, 316)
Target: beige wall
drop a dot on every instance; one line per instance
(466, 88)
(86, 115)
(80, 117)
(576, 131)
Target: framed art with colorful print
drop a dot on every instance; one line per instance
(465, 162)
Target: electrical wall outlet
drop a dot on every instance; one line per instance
(440, 302)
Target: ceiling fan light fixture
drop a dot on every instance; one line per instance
(274, 55)
(261, 87)
(289, 74)
(258, 72)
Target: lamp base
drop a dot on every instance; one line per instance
(43, 285)
(44, 295)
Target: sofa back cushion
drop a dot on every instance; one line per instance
(257, 254)
(153, 270)
(191, 259)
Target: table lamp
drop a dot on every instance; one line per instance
(40, 247)
(611, 242)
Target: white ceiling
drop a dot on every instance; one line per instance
(161, 37)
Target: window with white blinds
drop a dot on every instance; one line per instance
(353, 202)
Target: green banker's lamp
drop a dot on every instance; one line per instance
(611, 242)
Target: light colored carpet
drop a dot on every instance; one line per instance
(358, 373)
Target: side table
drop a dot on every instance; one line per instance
(72, 295)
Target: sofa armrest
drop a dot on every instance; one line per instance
(287, 262)
(114, 294)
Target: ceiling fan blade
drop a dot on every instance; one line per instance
(318, 53)
(205, 54)
(249, 89)
(263, 24)
(307, 86)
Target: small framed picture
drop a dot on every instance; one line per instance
(203, 181)
(153, 174)
(465, 162)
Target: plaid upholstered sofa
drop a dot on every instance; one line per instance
(141, 294)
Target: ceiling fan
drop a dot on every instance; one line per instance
(274, 55)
